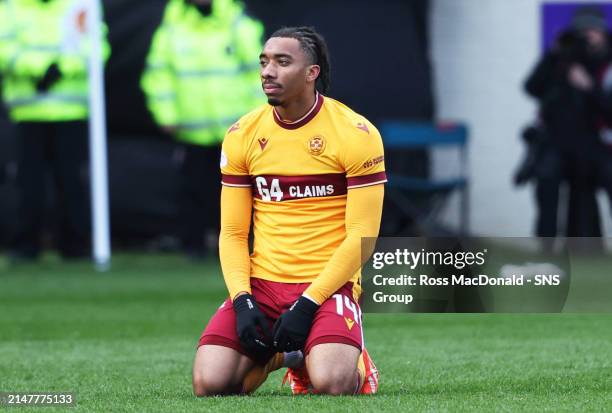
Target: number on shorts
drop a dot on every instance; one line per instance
(354, 308)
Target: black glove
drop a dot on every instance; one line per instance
(292, 327)
(51, 76)
(252, 326)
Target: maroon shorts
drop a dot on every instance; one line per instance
(338, 320)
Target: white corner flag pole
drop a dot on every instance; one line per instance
(97, 142)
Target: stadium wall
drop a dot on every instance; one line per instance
(481, 53)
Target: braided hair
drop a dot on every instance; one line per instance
(313, 44)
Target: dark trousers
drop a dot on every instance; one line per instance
(199, 203)
(550, 174)
(60, 147)
(585, 172)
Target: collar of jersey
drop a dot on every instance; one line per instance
(304, 119)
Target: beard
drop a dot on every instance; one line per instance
(274, 101)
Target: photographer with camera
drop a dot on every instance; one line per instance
(567, 82)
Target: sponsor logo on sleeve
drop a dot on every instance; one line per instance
(223, 160)
(373, 162)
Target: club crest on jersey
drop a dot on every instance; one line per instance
(262, 143)
(316, 145)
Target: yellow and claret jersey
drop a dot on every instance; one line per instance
(300, 173)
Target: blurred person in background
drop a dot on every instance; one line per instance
(202, 74)
(573, 106)
(43, 61)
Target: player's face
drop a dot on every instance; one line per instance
(286, 71)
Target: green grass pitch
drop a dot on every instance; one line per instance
(125, 340)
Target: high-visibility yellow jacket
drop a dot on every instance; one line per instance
(34, 35)
(202, 71)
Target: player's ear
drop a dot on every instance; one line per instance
(312, 73)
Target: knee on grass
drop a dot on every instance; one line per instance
(209, 385)
(334, 382)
